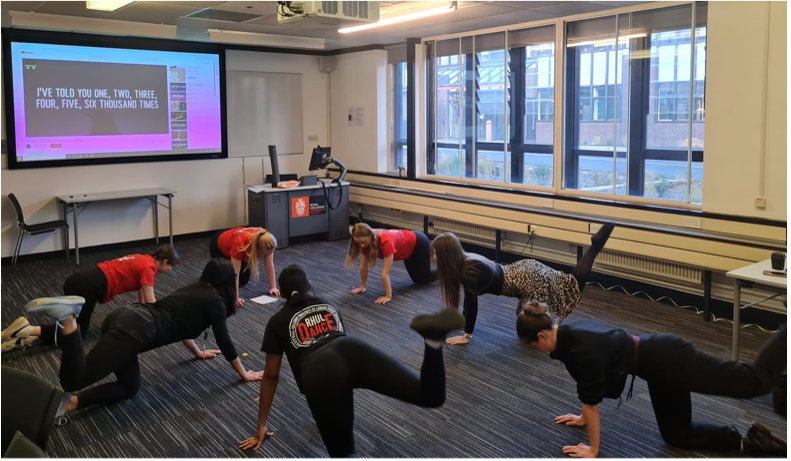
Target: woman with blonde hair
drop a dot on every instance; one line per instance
(243, 246)
(390, 245)
(526, 279)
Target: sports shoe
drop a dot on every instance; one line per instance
(760, 441)
(18, 343)
(437, 326)
(19, 329)
(59, 308)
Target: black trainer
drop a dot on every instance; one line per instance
(437, 326)
(760, 441)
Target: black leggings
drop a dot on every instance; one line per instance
(214, 251)
(116, 352)
(418, 265)
(332, 373)
(91, 284)
(674, 368)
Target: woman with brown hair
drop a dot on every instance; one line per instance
(390, 245)
(243, 246)
(98, 284)
(526, 279)
(600, 359)
(131, 330)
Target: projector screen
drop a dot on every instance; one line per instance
(86, 105)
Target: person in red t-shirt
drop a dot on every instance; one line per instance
(99, 284)
(412, 247)
(243, 245)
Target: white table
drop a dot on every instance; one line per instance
(83, 200)
(754, 273)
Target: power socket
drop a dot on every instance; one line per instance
(547, 203)
(760, 202)
(448, 191)
(692, 222)
(593, 227)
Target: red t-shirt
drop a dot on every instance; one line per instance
(232, 242)
(128, 274)
(397, 242)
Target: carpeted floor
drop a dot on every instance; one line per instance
(501, 396)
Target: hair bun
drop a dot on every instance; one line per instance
(534, 308)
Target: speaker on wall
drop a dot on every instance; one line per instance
(327, 64)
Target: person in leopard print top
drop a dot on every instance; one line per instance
(526, 279)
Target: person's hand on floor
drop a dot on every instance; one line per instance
(457, 340)
(255, 442)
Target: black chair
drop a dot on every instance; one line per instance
(34, 229)
(22, 447)
(30, 407)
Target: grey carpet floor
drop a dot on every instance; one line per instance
(501, 396)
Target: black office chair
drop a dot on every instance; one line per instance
(34, 229)
(30, 407)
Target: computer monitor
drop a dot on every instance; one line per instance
(321, 158)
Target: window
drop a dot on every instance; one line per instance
(632, 107)
(398, 89)
(495, 108)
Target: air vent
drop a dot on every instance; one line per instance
(275, 198)
(444, 225)
(649, 266)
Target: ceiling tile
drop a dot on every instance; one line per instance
(257, 8)
(621, 4)
(71, 9)
(151, 12)
(571, 8)
(526, 5)
(20, 6)
(196, 5)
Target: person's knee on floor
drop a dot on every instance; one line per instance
(676, 436)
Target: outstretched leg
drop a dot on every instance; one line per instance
(582, 270)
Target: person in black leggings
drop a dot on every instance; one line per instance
(599, 359)
(390, 245)
(98, 284)
(526, 279)
(129, 331)
(328, 365)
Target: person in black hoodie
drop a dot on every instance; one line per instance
(328, 365)
(131, 330)
(600, 358)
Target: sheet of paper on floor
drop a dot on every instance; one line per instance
(264, 299)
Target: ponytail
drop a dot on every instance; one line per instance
(294, 283)
(261, 242)
(533, 319)
(362, 230)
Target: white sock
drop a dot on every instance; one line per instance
(434, 343)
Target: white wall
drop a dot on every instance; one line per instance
(735, 79)
(360, 80)
(209, 192)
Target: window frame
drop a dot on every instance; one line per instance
(565, 103)
(396, 144)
